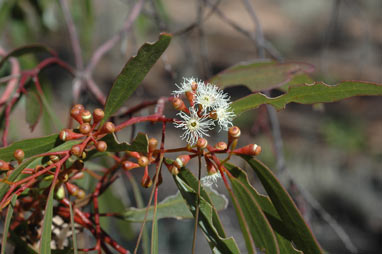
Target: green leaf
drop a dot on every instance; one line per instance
(31, 48)
(309, 94)
(283, 239)
(300, 233)
(139, 144)
(46, 235)
(261, 75)
(261, 230)
(208, 218)
(72, 225)
(33, 108)
(31, 147)
(173, 206)
(154, 233)
(7, 224)
(133, 73)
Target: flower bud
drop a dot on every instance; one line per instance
(179, 104)
(19, 155)
(202, 143)
(133, 154)
(190, 97)
(108, 127)
(194, 86)
(128, 165)
(143, 161)
(76, 112)
(76, 150)
(86, 116)
(54, 158)
(5, 165)
(74, 190)
(234, 132)
(101, 146)
(146, 182)
(79, 175)
(221, 146)
(60, 194)
(211, 169)
(85, 128)
(98, 115)
(181, 161)
(153, 143)
(173, 170)
(251, 149)
(68, 134)
(79, 107)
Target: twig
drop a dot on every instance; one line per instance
(72, 34)
(259, 36)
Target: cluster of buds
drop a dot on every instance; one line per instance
(136, 160)
(208, 154)
(87, 128)
(208, 107)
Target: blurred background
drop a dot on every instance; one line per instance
(333, 152)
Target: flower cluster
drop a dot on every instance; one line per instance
(209, 107)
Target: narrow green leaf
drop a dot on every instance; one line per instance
(31, 48)
(74, 235)
(154, 233)
(261, 75)
(33, 108)
(134, 72)
(261, 230)
(288, 212)
(207, 214)
(31, 147)
(173, 206)
(46, 234)
(7, 224)
(283, 239)
(309, 94)
(140, 144)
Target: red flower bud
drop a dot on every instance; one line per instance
(128, 165)
(251, 149)
(85, 128)
(101, 146)
(86, 116)
(19, 155)
(181, 161)
(98, 115)
(5, 165)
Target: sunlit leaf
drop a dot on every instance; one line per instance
(294, 223)
(139, 144)
(309, 94)
(173, 206)
(208, 218)
(261, 75)
(134, 72)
